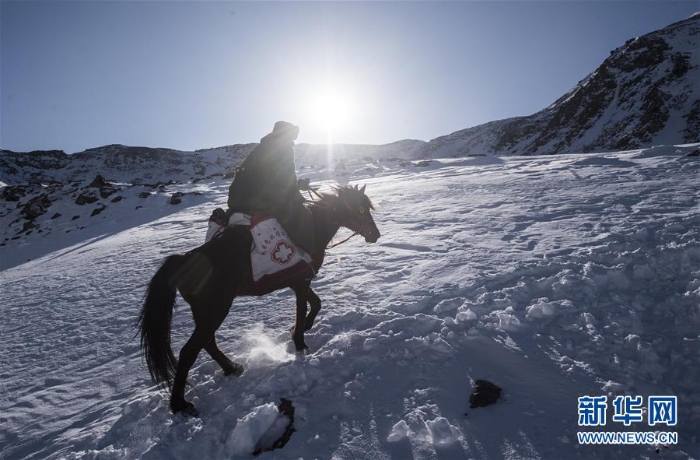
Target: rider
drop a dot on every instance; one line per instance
(266, 183)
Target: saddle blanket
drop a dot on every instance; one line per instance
(274, 258)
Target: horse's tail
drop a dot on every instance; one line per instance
(155, 318)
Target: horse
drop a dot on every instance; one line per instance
(212, 275)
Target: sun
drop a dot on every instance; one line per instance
(331, 110)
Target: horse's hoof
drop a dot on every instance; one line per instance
(235, 369)
(303, 351)
(185, 408)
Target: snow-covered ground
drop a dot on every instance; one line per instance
(553, 277)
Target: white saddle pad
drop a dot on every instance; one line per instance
(272, 251)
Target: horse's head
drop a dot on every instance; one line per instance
(355, 213)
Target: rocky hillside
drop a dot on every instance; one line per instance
(143, 165)
(119, 163)
(52, 193)
(647, 92)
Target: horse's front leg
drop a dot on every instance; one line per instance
(300, 322)
(315, 303)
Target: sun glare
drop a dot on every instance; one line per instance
(331, 110)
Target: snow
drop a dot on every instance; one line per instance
(553, 277)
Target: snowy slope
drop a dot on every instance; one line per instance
(553, 277)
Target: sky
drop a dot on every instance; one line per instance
(199, 74)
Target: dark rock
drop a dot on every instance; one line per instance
(15, 192)
(85, 198)
(117, 199)
(99, 182)
(98, 210)
(176, 198)
(75, 217)
(107, 191)
(694, 153)
(36, 207)
(484, 394)
(56, 216)
(144, 194)
(287, 410)
(28, 226)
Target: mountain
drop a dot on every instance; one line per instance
(144, 164)
(55, 195)
(647, 92)
(119, 163)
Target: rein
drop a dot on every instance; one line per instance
(345, 240)
(318, 195)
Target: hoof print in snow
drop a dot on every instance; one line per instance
(484, 394)
(286, 410)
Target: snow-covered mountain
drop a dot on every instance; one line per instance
(554, 277)
(50, 192)
(123, 163)
(647, 92)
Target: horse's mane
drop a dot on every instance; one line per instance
(341, 194)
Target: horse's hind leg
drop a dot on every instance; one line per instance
(188, 355)
(208, 317)
(229, 367)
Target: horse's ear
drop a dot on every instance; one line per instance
(362, 190)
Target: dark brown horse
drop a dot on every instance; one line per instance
(212, 275)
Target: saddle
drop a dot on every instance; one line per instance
(274, 258)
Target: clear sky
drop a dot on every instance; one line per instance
(199, 74)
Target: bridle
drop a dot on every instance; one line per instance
(331, 246)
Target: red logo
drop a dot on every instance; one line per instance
(282, 253)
